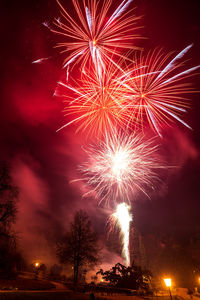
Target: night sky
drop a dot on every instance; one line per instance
(43, 161)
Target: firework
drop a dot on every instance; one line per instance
(40, 60)
(122, 218)
(96, 37)
(156, 92)
(121, 166)
(96, 106)
(151, 90)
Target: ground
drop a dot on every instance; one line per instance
(53, 295)
(27, 288)
(25, 284)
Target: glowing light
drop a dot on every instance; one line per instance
(168, 282)
(115, 32)
(121, 166)
(122, 217)
(119, 162)
(37, 264)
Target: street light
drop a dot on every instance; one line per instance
(168, 283)
(37, 264)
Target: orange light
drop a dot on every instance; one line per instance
(168, 282)
(37, 264)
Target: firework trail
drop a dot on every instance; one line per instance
(121, 166)
(122, 218)
(156, 93)
(40, 60)
(96, 37)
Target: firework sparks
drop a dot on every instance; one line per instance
(152, 90)
(46, 24)
(121, 166)
(156, 93)
(96, 37)
(40, 60)
(96, 106)
(122, 218)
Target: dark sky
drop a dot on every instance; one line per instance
(44, 162)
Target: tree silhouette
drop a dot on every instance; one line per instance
(8, 198)
(127, 277)
(8, 209)
(79, 246)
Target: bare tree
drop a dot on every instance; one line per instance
(79, 245)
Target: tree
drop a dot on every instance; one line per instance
(127, 277)
(78, 246)
(8, 198)
(8, 209)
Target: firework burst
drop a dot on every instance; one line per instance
(120, 166)
(157, 92)
(96, 37)
(152, 90)
(96, 106)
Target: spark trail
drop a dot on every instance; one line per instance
(40, 60)
(122, 218)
